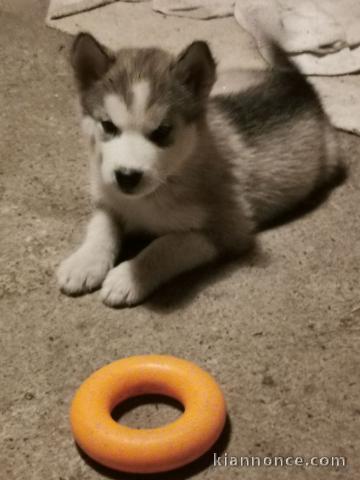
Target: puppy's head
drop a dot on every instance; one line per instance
(141, 109)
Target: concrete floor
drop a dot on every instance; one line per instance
(280, 331)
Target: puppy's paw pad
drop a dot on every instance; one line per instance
(82, 272)
(120, 287)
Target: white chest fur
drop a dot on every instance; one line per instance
(158, 216)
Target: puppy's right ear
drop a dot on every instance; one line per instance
(90, 60)
(196, 69)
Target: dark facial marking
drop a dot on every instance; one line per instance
(110, 128)
(161, 136)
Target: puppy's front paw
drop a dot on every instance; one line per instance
(120, 288)
(82, 272)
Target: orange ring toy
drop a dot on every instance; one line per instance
(156, 449)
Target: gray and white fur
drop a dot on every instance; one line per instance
(199, 172)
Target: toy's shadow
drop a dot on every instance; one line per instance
(183, 473)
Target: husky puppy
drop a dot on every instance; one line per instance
(201, 173)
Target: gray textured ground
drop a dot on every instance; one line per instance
(279, 331)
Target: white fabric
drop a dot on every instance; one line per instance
(322, 35)
(201, 9)
(65, 8)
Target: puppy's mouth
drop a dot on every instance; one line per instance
(128, 190)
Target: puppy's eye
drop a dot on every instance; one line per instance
(161, 135)
(110, 128)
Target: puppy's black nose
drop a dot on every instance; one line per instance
(127, 178)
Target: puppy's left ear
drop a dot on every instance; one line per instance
(195, 68)
(90, 59)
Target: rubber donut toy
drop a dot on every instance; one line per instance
(148, 450)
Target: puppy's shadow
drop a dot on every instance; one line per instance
(314, 200)
(184, 288)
